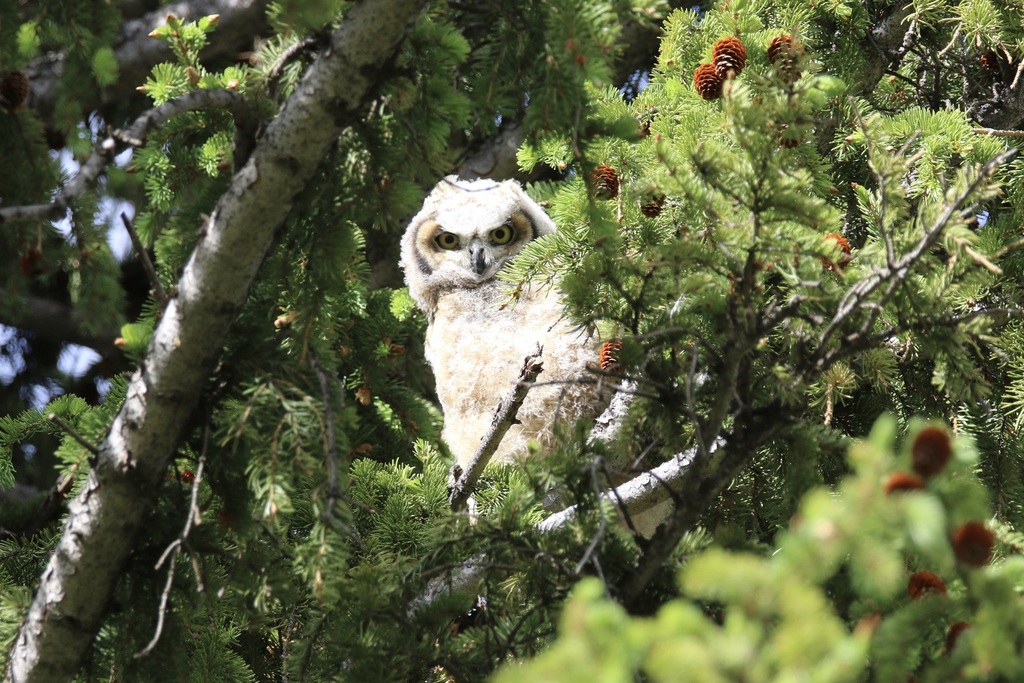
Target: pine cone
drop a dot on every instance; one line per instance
(609, 358)
(652, 208)
(924, 583)
(784, 52)
(788, 138)
(931, 451)
(973, 543)
(606, 182)
(707, 82)
(729, 57)
(844, 258)
(990, 61)
(13, 90)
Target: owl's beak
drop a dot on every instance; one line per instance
(477, 257)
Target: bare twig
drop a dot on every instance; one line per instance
(999, 133)
(73, 433)
(170, 554)
(147, 263)
(463, 481)
(978, 257)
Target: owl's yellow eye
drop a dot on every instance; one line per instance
(502, 234)
(447, 240)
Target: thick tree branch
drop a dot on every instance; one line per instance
(700, 489)
(634, 497)
(885, 43)
(106, 516)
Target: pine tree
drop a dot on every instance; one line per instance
(797, 225)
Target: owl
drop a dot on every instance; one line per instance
(452, 252)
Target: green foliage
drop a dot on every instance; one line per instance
(781, 615)
(756, 340)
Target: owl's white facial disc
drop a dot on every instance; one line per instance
(465, 233)
(474, 254)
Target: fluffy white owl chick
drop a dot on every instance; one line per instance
(451, 252)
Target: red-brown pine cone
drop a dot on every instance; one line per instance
(707, 82)
(845, 256)
(609, 358)
(931, 450)
(925, 583)
(652, 208)
(990, 61)
(606, 182)
(903, 481)
(784, 52)
(973, 543)
(13, 90)
(729, 57)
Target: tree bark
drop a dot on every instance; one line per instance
(105, 518)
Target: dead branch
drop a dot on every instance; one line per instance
(463, 481)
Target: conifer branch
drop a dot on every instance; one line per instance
(699, 488)
(55, 322)
(52, 507)
(463, 481)
(137, 53)
(633, 498)
(893, 277)
(73, 433)
(246, 124)
(105, 518)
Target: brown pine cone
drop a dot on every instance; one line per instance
(729, 57)
(784, 52)
(990, 61)
(652, 208)
(606, 182)
(13, 90)
(707, 82)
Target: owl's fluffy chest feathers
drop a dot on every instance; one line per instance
(451, 252)
(477, 348)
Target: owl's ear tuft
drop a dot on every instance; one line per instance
(542, 223)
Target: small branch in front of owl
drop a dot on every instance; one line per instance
(463, 480)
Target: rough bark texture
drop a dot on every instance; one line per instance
(105, 518)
